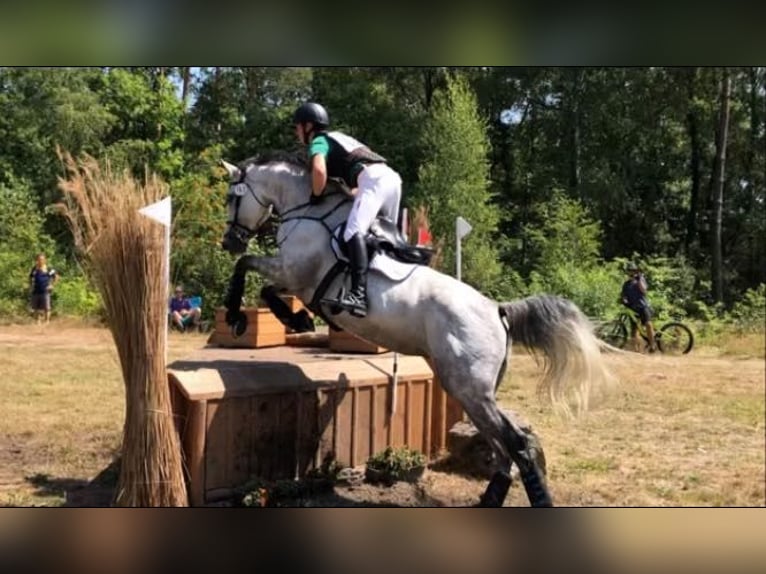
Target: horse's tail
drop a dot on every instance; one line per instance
(573, 367)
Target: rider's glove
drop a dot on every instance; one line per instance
(314, 199)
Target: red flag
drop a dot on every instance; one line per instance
(424, 237)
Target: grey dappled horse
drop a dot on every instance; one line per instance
(465, 335)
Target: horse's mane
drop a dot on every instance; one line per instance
(298, 158)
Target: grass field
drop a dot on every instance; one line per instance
(678, 431)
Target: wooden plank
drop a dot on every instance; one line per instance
(417, 406)
(218, 443)
(179, 406)
(194, 446)
(240, 435)
(262, 452)
(354, 426)
(308, 432)
(363, 423)
(344, 341)
(427, 447)
(398, 437)
(285, 437)
(326, 423)
(309, 339)
(344, 430)
(374, 420)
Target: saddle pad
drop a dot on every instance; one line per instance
(381, 262)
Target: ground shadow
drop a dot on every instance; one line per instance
(99, 492)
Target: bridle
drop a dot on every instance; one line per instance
(244, 234)
(241, 232)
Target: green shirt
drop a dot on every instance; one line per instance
(319, 145)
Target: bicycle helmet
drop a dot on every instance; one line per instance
(631, 267)
(312, 112)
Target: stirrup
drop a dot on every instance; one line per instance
(334, 302)
(356, 309)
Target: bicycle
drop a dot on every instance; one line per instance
(673, 338)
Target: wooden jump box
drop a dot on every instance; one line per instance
(277, 415)
(345, 342)
(263, 330)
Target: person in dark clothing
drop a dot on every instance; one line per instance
(41, 282)
(634, 297)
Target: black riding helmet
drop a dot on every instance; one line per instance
(312, 112)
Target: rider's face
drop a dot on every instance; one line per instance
(302, 131)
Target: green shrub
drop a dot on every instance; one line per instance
(75, 297)
(393, 464)
(749, 313)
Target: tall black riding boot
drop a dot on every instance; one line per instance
(355, 301)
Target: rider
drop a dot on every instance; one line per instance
(634, 297)
(376, 188)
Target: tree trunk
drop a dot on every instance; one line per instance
(574, 132)
(720, 175)
(185, 84)
(429, 86)
(692, 123)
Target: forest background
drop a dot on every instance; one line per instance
(565, 174)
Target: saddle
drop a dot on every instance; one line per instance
(384, 237)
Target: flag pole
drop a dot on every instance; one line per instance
(161, 212)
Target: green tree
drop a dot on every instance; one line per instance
(565, 250)
(21, 238)
(148, 120)
(454, 181)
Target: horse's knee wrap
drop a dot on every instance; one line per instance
(530, 472)
(497, 490)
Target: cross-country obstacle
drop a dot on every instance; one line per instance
(265, 330)
(278, 411)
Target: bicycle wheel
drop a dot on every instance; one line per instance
(675, 339)
(614, 332)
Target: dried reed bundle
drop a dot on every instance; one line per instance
(124, 257)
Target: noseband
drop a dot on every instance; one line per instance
(241, 232)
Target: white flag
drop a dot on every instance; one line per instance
(159, 211)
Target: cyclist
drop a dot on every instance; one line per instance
(634, 297)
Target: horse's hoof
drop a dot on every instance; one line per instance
(301, 322)
(237, 322)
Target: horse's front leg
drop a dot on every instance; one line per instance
(270, 267)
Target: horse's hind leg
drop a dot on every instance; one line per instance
(509, 443)
(519, 448)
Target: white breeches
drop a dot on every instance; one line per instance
(379, 193)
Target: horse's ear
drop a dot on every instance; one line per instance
(234, 172)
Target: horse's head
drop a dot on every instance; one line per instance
(248, 206)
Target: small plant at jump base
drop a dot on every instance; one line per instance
(394, 464)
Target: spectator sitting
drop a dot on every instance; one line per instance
(182, 313)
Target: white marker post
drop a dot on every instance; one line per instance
(462, 228)
(161, 212)
(404, 227)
